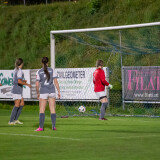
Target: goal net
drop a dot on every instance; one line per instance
(129, 52)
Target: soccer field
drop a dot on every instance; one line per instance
(80, 138)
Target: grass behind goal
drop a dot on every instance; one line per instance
(78, 138)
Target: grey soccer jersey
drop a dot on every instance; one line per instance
(17, 88)
(45, 85)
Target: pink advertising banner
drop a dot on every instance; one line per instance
(141, 83)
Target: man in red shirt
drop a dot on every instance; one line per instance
(99, 87)
(0, 84)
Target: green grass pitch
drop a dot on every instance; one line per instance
(80, 138)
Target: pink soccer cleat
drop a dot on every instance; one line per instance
(54, 128)
(39, 129)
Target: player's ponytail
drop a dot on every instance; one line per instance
(99, 63)
(45, 61)
(18, 62)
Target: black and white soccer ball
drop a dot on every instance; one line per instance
(82, 109)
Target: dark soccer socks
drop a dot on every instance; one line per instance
(18, 112)
(103, 110)
(41, 120)
(13, 114)
(53, 119)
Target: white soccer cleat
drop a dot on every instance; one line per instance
(17, 122)
(11, 123)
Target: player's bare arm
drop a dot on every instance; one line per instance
(37, 89)
(57, 86)
(22, 82)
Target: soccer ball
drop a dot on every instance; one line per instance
(82, 109)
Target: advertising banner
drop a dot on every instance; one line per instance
(76, 83)
(141, 83)
(6, 79)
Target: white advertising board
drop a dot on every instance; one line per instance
(6, 79)
(76, 83)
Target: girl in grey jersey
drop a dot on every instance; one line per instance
(18, 82)
(46, 81)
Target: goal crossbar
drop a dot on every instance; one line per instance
(106, 28)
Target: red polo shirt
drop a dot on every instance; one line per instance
(99, 80)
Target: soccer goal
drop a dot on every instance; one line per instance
(131, 56)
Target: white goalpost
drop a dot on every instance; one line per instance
(52, 33)
(123, 27)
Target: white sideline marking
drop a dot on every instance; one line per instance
(139, 136)
(30, 135)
